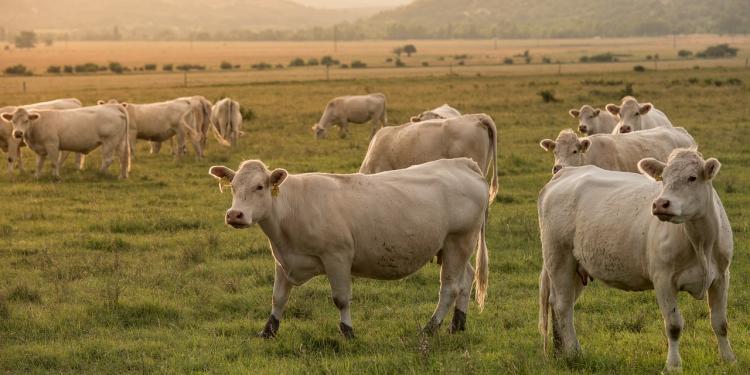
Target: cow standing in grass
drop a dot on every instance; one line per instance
(226, 121)
(666, 231)
(355, 109)
(633, 116)
(443, 112)
(593, 120)
(384, 226)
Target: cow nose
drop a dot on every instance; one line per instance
(660, 204)
(556, 169)
(18, 134)
(234, 215)
(583, 128)
(625, 129)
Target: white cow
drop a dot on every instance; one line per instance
(633, 116)
(13, 145)
(158, 122)
(81, 130)
(443, 112)
(356, 109)
(202, 115)
(593, 120)
(470, 136)
(226, 121)
(634, 233)
(384, 226)
(617, 151)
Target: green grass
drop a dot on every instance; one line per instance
(105, 276)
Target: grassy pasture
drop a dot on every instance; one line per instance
(99, 275)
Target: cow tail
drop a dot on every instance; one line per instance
(482, 263)
(492, 167)
(191, 130)
(125, 155)
(544, 294)
(219, 137)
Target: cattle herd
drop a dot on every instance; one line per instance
(630, 202)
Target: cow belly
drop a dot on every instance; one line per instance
(392, 260)
(156, 136)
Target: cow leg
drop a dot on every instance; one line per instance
(123, 151)
(281, 289)
(566, 287)
(155, 147)
(462, 302)
(39, 164)
(19, 160)
(344, 129)
(177, 152)
(197, 148)
(451, 277)
(54, 155)
(717, 302)
(666, 296)
(80, 161)
(108, 155)
(340, 278)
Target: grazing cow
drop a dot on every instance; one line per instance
(443, 112)
(593, 120)
(81, 130)
(357, 109)
(634, 233)
(158, 122)
(13, 145)
(202, 115)
(384, 226)
(633, 116)
(470, 136)
(226, 121)
(617, 151)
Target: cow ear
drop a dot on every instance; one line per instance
(33, 116)
(613, 109)
(585, 143)
(7, 116)
(711, 169)
(414, 119)
(124, 104)
(278, 176)
(221, 172)
(651, 167)
(547, 144)
(574, 113)
(644, 108)
(596, 112)
(100, 102)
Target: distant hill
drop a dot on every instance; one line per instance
(560, 18)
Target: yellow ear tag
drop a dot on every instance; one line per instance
(224, 182)
(275, 190)
(657, 178)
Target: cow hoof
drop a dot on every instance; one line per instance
(431, 328)
(347, 331)
(672, 370)
(270, 329)
(459, 321)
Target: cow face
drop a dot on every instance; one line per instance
(588, 119)
(426, 115)
(319, 131)
(568, 150)
(629, 115)
(254, 188)
(687, 190)
(21, 120)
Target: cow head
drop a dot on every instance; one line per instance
(319, 131)
(568, 149)
(426, 115)
(588, 119)
(21, 120)
(629, 114)
(687, 189)
(254, 188)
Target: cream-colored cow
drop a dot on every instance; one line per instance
(13, 145)
(617, 151)
(633, 116)
(384, 226)
(226, 121)
(357, 109)
(202, 115)
(593, 120)
(634, 233)
(469, 136)
(81, 130)
(443, 112)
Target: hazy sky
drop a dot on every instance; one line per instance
(351, 3)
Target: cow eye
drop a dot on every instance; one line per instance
(692, 178)
(259, 187)
(575, 151)
(637, 114)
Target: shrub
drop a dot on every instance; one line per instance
(328, 61)
(399, 63)
(87, 68)
(628, 90)
(17, 70)
(718, 51)
(54, 69)
(344, 66)
(546, 60)
(297, 62)
(639, 68)
(734, 81)
(68, 69)
(247, 113)
(389, 60)
(261, 66)
(313, 62)
(188, 67)
(226, 65)
(684, 53)
(356, 64)
(584, 59)
(149, 67)
(548, 96)
(167, 67)
(116, 67)
(603, 57)
(425, 63)
(279, 66)
(508, 61)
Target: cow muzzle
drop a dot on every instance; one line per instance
(236, 219)
(625, 129)
(583, 129)
(556, 168)
(18, 134)
(662, 209)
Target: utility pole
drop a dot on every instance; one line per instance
(335, 38)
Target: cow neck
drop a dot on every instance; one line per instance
(282, 208)
(702, 232)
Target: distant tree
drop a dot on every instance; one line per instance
(639, 68)
(356, 64)
(54, 69)
(18, 70)
(27, 39)
(313, 61)
(226, 65)
(718, 51)
(297, 62)
(684, 53)
(116, 67)
(149, 67)
(68, 69)
(409, 49)
(328, 61)
(507, 61)
(167, 67)
(398, 51)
